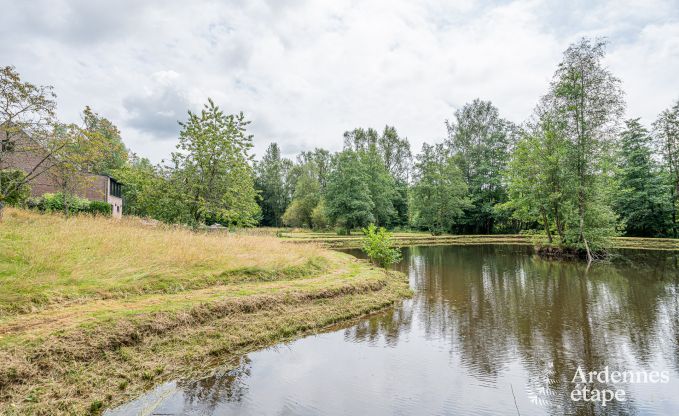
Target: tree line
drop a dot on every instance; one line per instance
(575, 172)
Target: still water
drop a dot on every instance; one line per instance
(491, 330)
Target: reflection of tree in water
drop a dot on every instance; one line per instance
(385, 325)
(221, 387)
(491, 303)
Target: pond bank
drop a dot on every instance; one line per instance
(402, 239)
(93, 311)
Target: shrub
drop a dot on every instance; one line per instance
(378, 246)
(18, 196)
(100, 208)
(55, 203)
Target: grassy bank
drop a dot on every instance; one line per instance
(332, 240)
(94, 311)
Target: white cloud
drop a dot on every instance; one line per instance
(305, 71)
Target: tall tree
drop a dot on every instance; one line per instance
(113, 154)
(589, 99)
(666, 129)
(27, 112)
(348, 200)
(438, 192)
(539, 184)
(319, 161)
(387, 160)
(641, 201)
(306, 197)
(481, 142)
(272, 175)
(212, 168)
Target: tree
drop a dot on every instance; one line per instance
(348, 200)
(78, 151)
(589, 100)
(539, 185)
(319, 162)
(481, 142)
(387, 160)
(106, 135)
(666, 129)
(212, 170)
(149, 191)
(439, 191)
(641, 201)
(272, 173)
(27, 112)
(305, 199)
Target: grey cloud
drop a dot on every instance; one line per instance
(157, 113)
(73, 22)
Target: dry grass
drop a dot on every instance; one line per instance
(47, 259)
(96, 311)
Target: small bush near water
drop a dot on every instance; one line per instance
(377, 245)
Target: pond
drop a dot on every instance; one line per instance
(490, 330)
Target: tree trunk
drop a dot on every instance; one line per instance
(65, 194)
(675, 191)
(546, 225)
(559, 225)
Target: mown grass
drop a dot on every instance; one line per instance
(96, 311)
(332, 240)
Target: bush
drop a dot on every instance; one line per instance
(76, 205)
(378, 246)
(100, 208)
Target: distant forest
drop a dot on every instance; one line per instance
(575, 172)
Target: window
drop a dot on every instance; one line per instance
(116, 188)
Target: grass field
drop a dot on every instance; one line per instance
(332, 240)
(95, 311)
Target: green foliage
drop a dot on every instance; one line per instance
(19, 194)
(112, 153)
(99, 208)
(377, 245)
(348, 200)
(480, 141)
(58, 202)
(211, 173)
(666, 129)
(386, 159)
(319, 216)
(26, 110)
(439, 191)
(560, 175)
(272, 174)
(641, 200)
(589, 102)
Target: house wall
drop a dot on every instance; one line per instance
(116, 205)
(92, 187)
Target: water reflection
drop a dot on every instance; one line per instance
(490, 330)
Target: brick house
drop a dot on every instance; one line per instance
(20, 152)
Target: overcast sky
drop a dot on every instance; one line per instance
(305, 71)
